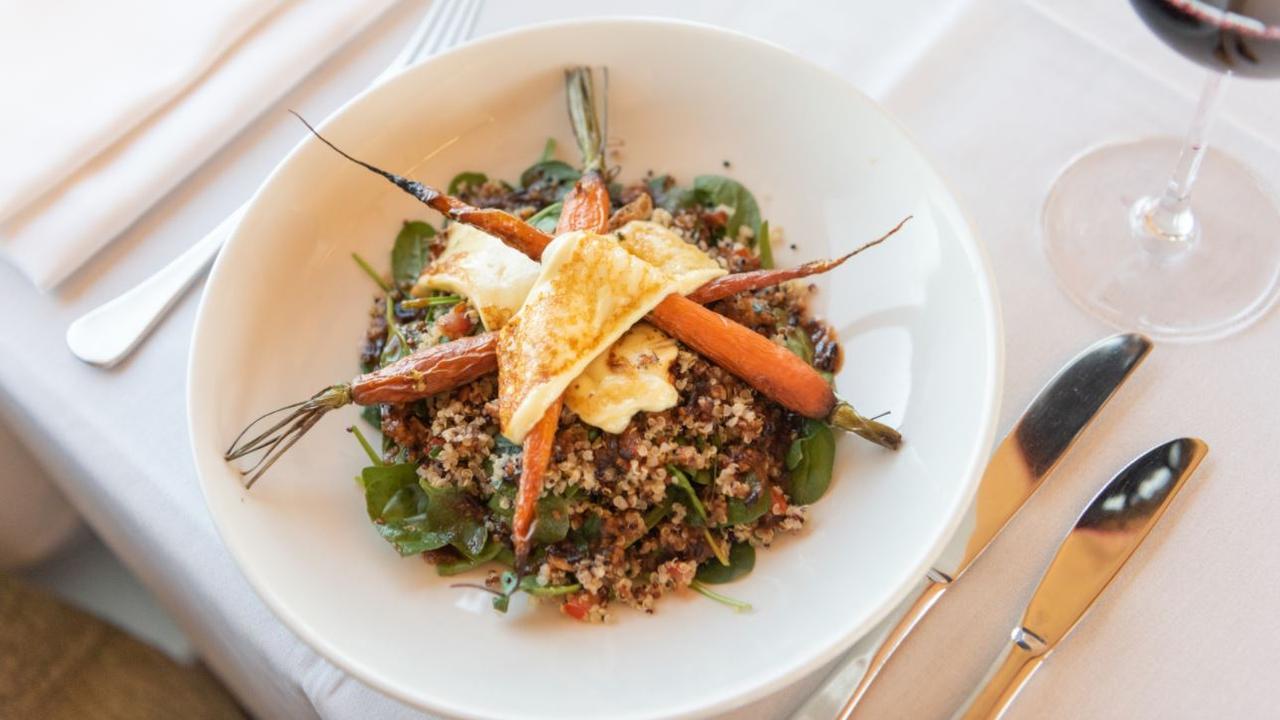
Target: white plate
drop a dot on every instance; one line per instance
(284, 311)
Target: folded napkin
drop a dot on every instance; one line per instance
(111, 105)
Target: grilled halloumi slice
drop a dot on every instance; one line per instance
(661, 247)
(494, 278)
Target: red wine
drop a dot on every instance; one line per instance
(1242, 36)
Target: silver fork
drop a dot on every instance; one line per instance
(107, 334)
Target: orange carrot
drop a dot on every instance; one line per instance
(777, 372)
(428, 371)
(586, 207)
(537, 456)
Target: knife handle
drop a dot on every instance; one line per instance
(1019, 659)
(905, 625)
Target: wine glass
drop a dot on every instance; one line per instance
(1163, 263)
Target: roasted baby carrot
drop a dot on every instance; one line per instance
(727, 285)
(428, 371)
(586, 207)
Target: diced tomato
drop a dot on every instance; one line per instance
(579, 606)
(455, 323)
(779, 501)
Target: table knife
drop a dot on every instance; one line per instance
(1031, 450)
(1105, 535)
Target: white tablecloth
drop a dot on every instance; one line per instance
(1002, 94)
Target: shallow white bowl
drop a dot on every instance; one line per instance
(284, 310)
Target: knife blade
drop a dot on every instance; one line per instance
(1104, 537)
(1022, 460)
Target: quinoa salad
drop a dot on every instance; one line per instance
(587, 392)
(628, 517)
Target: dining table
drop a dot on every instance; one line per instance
(1001, 95)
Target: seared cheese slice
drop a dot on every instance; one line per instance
(662, 247)
(589, 293)
(633, 375)
(494, 278)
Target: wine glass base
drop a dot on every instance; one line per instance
(1218, 283)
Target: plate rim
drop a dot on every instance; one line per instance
(717, 702)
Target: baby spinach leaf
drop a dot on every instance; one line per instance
(795, 454)
(397, 505)
(467, 180)
(549, 172)
(453, 515)
(548, 150)
(742, 559)
(372, 414)
(490, 552)
(716, 190)
(547, 218)
(669, 196)
(552, 524)
(409, 254)
(414, 518)
(588, 533)
(741, 513)
(503, 496)
(810, 460)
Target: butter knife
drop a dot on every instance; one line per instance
(1104, 536)
(1031, 450)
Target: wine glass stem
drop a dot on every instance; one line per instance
(1168, 219)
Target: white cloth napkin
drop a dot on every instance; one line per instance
(111, 105)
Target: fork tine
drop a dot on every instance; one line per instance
(420, 34)
(443, 29)
(454, 30)
(469, 25)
